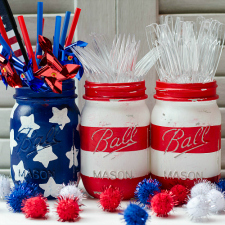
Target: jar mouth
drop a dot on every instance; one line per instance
(68, 91)
(115, 91)
(186, 92)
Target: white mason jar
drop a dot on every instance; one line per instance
(185, 134)
(115, 139)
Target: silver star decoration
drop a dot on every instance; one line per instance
(19, 171)
(13, 110)
(72, 156)
(44, 155)
(13, 143)
(28, 125)
(60, 117)
(51, 188)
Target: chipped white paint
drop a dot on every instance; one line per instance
(13, 143)
(19, 171)
(51, 188)
(60, 117)
(13, 110)
(44, 155)
(28, 126)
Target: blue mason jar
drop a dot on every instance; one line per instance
(44, 138)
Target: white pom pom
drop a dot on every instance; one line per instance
(4, 186)
(216, 201)
(72, 191)
(198, 207)
(201, 188)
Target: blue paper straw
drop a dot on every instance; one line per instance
(5, 45)
(65, 27)
(56, 36)
(39, 29)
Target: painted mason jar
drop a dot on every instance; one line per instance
(44, 138)
(185, 134)
(114, 137)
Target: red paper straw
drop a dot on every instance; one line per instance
(43, 23)
(73, 27)
(3, 32)
(27, 42)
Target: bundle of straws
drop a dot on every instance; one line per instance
(47, 67)
(189, 51)
(114, 63)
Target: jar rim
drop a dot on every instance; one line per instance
(68, 91)
(115, 91)
(187, 92)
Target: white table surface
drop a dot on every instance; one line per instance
(93, 214)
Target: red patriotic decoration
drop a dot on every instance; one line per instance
(110, 198)
(67, 209)
(53, 71)
(9, 73)
(35, 207)
(162, 204)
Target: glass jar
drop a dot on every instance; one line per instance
(185, 134)
(44, 140)
(115, 145)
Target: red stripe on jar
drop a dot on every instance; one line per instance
(114, 139)
(168, 183)
(94, 185)
(186, 139)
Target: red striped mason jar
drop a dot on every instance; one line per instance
(115, 139)
(185, 134)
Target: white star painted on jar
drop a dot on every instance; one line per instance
(60, 117)
(13, 110)
(72, 156)
(51, 188)
(13, 143)
(19, 171)
(28, 125)
(44, 155)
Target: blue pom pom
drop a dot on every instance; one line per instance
(145, 190)
(221, 184)
(21, 191)
(135, 215)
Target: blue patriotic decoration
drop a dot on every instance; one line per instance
(44, 138)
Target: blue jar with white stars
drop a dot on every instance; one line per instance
(44, 138)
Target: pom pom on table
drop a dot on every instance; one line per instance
(145, 190)
(72, 191)
(67, 209)
(198, 207)
(110, 199)
(179, 194)
(221, 184)
(4, 186)
(22, 190)
(216, 201)
(35, 207)
(135, 215)
(162, 204)
(201, 188)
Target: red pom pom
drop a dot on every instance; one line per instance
(35, 207)
(110, 199)
(179, 194)
(162, 204)
(67, 209)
